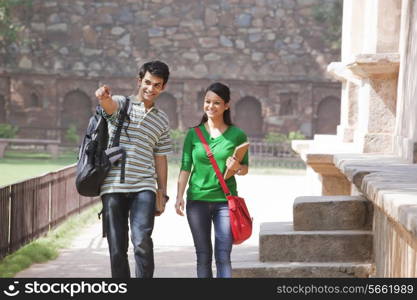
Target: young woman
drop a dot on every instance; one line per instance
(206, 202)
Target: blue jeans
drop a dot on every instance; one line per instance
(139, 208)
(200, 215)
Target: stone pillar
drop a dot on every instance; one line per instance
(382, 31)
(53, 149)
(405, 139)
(3, 145)
(349, 101)
(369, 72)
(352, 44)
(377, 100)
(353, 28)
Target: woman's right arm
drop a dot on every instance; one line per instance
(182, 183)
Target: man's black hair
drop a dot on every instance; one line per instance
(156, 68)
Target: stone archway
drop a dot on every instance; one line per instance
(248, 116)
(2, 109)
(76, 110)
(328, 115)
(168, 104)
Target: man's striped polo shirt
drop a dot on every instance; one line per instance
(147, 135)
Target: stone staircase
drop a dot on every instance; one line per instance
(331, 236)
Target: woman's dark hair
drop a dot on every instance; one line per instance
(156, 68)
(223, 92)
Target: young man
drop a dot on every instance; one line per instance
(145, 138)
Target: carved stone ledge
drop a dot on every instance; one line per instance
(381, 65)
(389, 181)
(319, 155)
(340, 72)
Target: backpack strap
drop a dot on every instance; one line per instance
(116, 140)
(122, 116)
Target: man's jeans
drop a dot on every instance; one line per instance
(200, 214)
(140, 208)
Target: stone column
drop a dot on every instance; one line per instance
(377, 100)
(352, 44)
(3, 145)
(405, 139)
(382, 31)
(353, 28)
(369, 72)
(349, 101)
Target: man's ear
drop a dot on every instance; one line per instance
(163, 87)
(139, 81)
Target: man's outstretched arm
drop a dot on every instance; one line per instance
(106, 102)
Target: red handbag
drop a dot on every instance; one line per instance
(240, 219)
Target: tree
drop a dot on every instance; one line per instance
(330, 13)
(9, 29)
(8, 131)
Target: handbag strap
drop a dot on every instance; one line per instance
(213, 161)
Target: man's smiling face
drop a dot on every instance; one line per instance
(150, 87)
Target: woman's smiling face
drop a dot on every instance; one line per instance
(214, 106)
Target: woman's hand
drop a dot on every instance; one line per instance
(179, 206)
(233, 164)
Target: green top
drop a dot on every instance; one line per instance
(204, 184)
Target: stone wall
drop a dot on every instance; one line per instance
(271, 51)
(397, 254)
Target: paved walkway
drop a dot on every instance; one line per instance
(269, 198)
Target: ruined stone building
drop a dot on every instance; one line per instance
(272, 53)
(373, 155)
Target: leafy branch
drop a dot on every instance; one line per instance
(9, 28)
(330, 13)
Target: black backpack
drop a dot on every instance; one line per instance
(94, 158)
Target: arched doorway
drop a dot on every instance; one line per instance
(76, 111)
(328, 115)
(248, 116)
(168, 104)
(2, 109)
(35, 101)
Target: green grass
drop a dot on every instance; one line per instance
(46, 248)
(17, 166)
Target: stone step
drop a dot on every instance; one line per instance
(256, 269)
(332, 213)
(279, 242)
